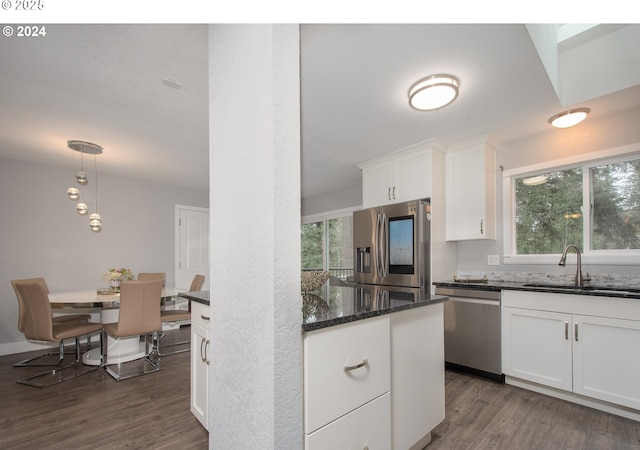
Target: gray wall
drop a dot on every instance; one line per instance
(590, 136)
(334, 200)
(41, 235)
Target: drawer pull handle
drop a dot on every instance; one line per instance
(203, 317)
(357, 366)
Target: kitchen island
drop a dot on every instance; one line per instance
(373, 366)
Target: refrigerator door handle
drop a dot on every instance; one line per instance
(383, 245)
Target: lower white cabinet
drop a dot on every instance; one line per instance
(345, 367)
(365, 428)
(200, 357)
(376, 383)
(417, 368)
(585, 345)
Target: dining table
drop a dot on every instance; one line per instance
(119, 350)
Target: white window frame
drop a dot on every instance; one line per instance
(587, 160)
(321, 217)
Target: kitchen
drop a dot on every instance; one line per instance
(471, 256)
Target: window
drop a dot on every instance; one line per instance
(594, 204)
(327, 243)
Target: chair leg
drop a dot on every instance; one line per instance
(57, 376)
(117, 374)
(158, 336)
(28, 362)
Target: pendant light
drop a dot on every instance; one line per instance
(80, 177)
(73, 193)
(95, 221)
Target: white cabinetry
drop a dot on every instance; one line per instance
(200, 357)
(417, 382)
(376, 383)
(585, 345)
(471, 190)
(402, 175)
(345, 368)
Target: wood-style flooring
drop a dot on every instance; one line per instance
(152, 412)
(96, 412)
(484, 414)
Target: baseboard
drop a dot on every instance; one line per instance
(575, 398)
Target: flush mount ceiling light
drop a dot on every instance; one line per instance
(569, 117)
(80, 177)
(535, 181)
(433, 92)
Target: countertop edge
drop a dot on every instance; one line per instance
(198, 296)
(311, 326)
(519, 286)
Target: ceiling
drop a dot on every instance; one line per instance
(104, 84)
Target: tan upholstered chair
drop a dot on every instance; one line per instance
(139, 316)
(146, 276)
(56, 320)
(38, 325)
(177, 316)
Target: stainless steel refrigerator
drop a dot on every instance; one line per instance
(391, 245)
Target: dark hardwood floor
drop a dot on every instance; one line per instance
(152, 411)
(96, 412)
(484, 414)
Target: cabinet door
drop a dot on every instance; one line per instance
(537, 346)
(412, 177)
(607, 359)
(470, 193)
(377, 185)
(200, 356)
(367, 427)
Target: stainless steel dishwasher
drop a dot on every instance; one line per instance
(472, 331)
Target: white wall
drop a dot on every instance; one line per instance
(334, 200)
(255, 383)
(41, 235)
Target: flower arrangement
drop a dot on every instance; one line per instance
(120, 274)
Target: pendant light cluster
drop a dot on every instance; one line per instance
(80, 179)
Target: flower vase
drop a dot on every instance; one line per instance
(114, 285)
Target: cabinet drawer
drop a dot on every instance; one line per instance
(367, 427)
(345, 367)
(200, 314)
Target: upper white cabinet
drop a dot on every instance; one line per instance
(471, 190)
(406, 174)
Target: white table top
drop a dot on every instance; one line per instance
(92, 296)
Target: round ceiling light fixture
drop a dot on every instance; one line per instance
(569, 117)
(536, 181)
(433, 92)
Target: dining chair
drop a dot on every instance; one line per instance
(38, 325)
(145, 276)
(139, 316)
(56, 320)
(176, 316)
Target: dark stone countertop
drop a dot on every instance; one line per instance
(339, 302)
(536, 286)
(196, 296)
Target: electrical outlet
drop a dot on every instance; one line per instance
(493, 260)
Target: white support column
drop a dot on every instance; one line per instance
(255, 382)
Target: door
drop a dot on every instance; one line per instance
(192, 245)
(606, 361)
(537, 347)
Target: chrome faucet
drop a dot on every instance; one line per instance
(579, 279)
